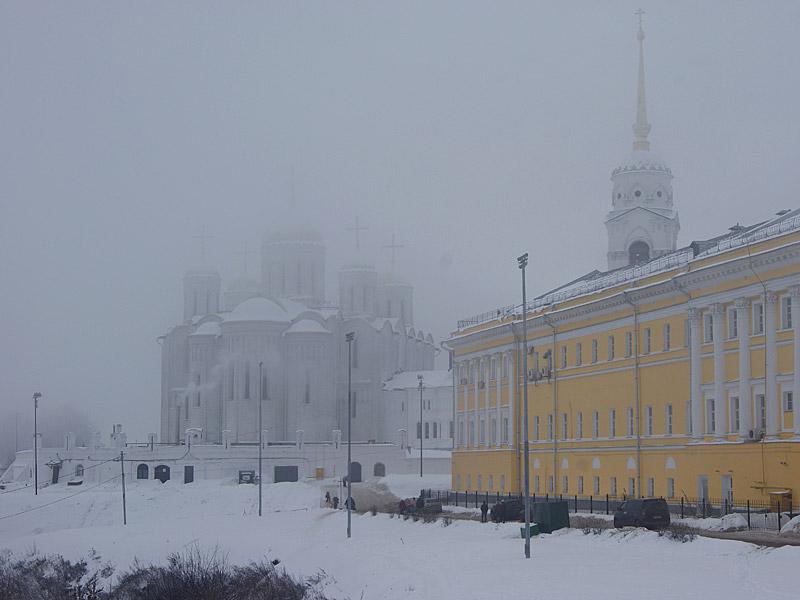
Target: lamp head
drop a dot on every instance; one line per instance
(37, 395)
(523, 260)
(348, 337)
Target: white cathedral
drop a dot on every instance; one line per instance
(278, 341)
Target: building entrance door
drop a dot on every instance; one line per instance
(727, 489)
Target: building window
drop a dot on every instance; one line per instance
(687, 333)
(549, 427)
(489, 482)
(786, 312)
(580, 484)
(649, 420)
(708, 328)
(550, 484)
(307, 392)
(472, 433)
(502, 483)
(419, 430)
(758, 318)
(469, 481)
(264, 387)
(578, 354)
(483, 431)
(594, 351)
(733, 323)
(536, 428)
(451, 430)
(595, 424)
(610, 347)
(632, 486)
(788, 401)
(563, 357)
(761, 411)
(613, 486)
(670, 487)
(564, 435)
(505, 429)
(689, 417)
(630, 422)
(668, 419)
(651, 485)
(565, 484)
(461, 434)
(596, 484)
(435, 431)
(628, 344)
(480, 482)
(355, 404)
(612, 423)
(711, 416)
(666, 334)
(734, 413)
(580, 425)
(648, 338)
(536, 484)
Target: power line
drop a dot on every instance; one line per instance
(59, 499)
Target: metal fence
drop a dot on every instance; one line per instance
(759, 514)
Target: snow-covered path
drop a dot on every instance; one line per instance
(391, 558)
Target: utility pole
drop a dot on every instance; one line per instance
(419, 378)
(36, 397)
(523, 262)
(260, 431)
(124, 506)
(16, 432)
(349, 339)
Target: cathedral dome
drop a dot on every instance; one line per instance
(208, 328)
(307, 326)
(259, 309)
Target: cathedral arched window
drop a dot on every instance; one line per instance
(638, 253)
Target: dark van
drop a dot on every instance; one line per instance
(508, 509)
(652, 513)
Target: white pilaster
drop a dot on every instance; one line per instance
(772, 365)
(476, 418)
(696, 373)
(512, 399)
(498, 392)
(719, 371)
(745, 395)
(796, 377)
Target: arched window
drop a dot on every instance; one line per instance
(379, 470)
(638, 253)
(79, 471)
(142, 471)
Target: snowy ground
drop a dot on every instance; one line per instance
(389, 558)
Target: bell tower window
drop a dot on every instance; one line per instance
(638, 253)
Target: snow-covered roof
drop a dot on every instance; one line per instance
(307, 326)
(259, 309)
(642, 160)
(408, 379)
(207, 328)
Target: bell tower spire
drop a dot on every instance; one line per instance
(641, 128)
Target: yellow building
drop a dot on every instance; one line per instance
(670, 376)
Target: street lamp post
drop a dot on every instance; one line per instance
(523, 262)
(36, 397)
(349, 339)
(419, 378)
(260, 431)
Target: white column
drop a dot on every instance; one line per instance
(498, 392)
(476, 412)
(512, 399)
(772, 366)
(745, 395)
(796, 378)
(696, 373)
(462, 417)
(719, 371)
(486, 395)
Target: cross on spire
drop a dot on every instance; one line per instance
(244, 253)
(640, 13)
(358, 229)
(203, 237)
(393, 247)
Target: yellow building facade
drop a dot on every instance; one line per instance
(672, 374)
(675, 378)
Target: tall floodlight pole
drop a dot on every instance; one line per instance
(523, 262)
(349, 339)
(36, 397)
(419, 378)
(260, 431)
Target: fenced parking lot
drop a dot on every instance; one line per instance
(759, 515)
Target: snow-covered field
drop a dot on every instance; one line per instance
(388, 558)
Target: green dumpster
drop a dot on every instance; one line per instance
(550, 516)
(534, 530)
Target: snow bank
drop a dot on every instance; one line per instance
(731, 522)
(793, 526)
(408, 486)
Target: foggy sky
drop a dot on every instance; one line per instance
(474, 131)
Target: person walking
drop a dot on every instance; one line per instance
(327, 499)
(484, 511)
(336, 502)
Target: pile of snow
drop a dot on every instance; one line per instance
(409, 486)
(793, 526)
(731, 522)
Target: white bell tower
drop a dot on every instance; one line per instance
(643, 223)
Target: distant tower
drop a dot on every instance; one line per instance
(201, 289)
(293, 267)
(358, 287)
(643, 224)
(396, 299)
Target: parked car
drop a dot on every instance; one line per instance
(509, 509)
(652, 513)
(432, 506)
